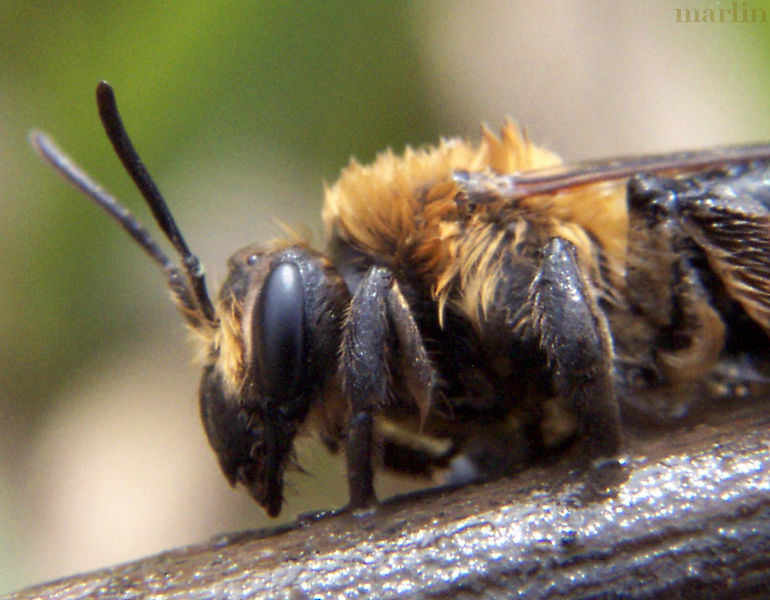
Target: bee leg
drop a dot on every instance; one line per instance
(697, 336)
(380, 338)
(413, 460)
(414, 454)
(575, 338)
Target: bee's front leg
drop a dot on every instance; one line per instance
(382, 359)
(574, 336)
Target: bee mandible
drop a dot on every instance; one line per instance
(478, 302)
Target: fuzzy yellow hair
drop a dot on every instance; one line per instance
(403, 210)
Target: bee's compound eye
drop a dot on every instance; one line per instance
(279, 331)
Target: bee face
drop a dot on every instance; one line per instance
(481, 304)
(272, 357)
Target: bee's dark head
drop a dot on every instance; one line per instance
(273, 336)
(280, 312)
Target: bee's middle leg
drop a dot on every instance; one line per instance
(574, 336)
(416, 460)
(380, 342)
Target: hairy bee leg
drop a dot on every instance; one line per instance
(575, 338)
(698, 335)
(379, 336)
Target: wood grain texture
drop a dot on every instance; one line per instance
(688, 516)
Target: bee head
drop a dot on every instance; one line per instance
(273, 336)
(252, 397)
(273, 355)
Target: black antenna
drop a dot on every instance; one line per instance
(66, 167)
(116, 132)
(71, 172)
(188, 285)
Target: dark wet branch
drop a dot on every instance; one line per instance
(691, 520)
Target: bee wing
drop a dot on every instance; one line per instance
(478, 186)
(556, 178)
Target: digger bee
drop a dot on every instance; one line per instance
(474, 300)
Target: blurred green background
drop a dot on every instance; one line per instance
(241, 110)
